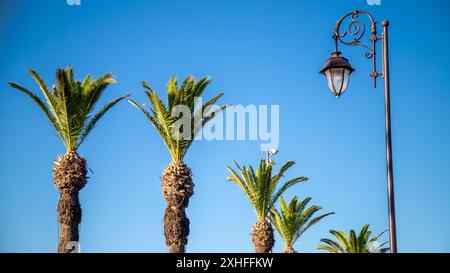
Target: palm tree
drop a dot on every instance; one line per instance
(294, 219)
(178, 134)
(69, 107)
(353, 243)
(260, 188)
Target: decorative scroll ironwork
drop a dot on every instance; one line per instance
(353, 34)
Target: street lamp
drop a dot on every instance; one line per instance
(337, 69)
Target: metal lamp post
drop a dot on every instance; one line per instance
(337, 69)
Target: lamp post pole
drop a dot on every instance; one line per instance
(338, 70)
(390, 171)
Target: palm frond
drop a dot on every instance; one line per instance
(93, 121)
(48, 113)
(165, 121)
(172, 88)
(294, 219)
(70, 103)
(44, 89)
(259, 186)
(314, 221)
(331, 246)
(353, 243)
(62, 99)
(286, 186)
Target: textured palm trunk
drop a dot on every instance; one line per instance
(289, 249)
(177, 188)
(262, 236)
(69, 175)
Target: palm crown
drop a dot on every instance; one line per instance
(354, 243)
(294, 219)
(260, 185)
(165, 122)
(70, 104)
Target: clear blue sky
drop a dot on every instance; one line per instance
(257, 52)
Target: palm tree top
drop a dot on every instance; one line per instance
(260, 186)
(166, 120)
(70, 104)
(295, 218)
(354, 243)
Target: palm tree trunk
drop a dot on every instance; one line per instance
(262, 236)
(69, 215)
(177, 188)
(69, 175)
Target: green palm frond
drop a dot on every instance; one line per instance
(44, 107)
(69, 106)
(294, 219)
(286, 186)
(331, 246)
(353, 243)
(260, 186)
(90, 124)
(163, 119)
(343, 239)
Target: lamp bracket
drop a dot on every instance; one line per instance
(353, 34)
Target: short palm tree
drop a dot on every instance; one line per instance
(294, 219)
(354, 244)
(260, 186)
(177, 185)
(69, 107)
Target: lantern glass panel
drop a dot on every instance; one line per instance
(337, 79)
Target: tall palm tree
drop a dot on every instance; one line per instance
(69, 107)
(354, 244)
(294, 219)
(260, 186)
(177, 185)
